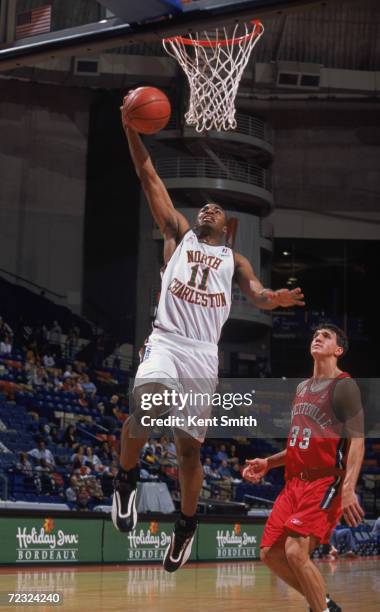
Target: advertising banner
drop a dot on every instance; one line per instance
(221, 541)
(50, 540)
(147, 543)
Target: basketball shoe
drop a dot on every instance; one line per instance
(181, 541)
(332, 606)
(124, 512)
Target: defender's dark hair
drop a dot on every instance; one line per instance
(341, 336)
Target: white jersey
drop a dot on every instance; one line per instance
(196, 287)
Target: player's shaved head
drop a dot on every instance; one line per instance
(213, 205)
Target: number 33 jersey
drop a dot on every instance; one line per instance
(316, 435)
(195, 298)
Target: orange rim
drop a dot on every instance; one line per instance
(218, 43)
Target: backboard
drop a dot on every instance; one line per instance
(156, 20)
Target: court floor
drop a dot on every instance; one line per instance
(239, 587)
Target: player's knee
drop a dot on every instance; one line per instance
(265, 555)
(295, 555)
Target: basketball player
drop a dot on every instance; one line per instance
(182, 349)
(322, 461)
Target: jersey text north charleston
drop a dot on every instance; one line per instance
(195, 296)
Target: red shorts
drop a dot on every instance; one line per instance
(306, 508)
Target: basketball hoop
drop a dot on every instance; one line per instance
(214, 63)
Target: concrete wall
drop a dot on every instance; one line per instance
(339, 226)
(43, 148)
(326, 156)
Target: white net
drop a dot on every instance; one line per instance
(214, 64)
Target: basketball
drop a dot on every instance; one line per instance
(146, 110)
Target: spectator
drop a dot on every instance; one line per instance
(94, 488)
(236, 474)
(82, 399)
(41, 452)
(72, 490)
(40, 336)
(92, 460)
(107, 480)
(88, 387)
(105, 454)
(70, 438)
(149, 456)
(115, 402)
(68, 385)
(111, 413)
(54, 436)
(32, 354)
(48, 360)
(68, 373)
(221, 455)
(99, 352)
(71, 345)
(208, 471)
(23, 465)
(55, 338)
(5, 330)
(79, 456)
(343, 542)
(83, 498)
(169, 451)
(224, 470)
(6, 346)
(233, 458)
(43, 469)
(40, 377)
(56, 374)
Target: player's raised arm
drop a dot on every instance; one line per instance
(172, 224)
(257, 294)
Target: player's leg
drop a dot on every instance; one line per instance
(133, 438)
(297, 550)
(274, 536)
(190, 478)
(190, 472)
(275, 558)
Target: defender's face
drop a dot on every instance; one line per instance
(324, 344)
(212, 216)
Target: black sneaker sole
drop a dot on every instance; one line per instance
(124, 522)
(170, 564)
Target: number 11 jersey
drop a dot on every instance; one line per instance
(195, 298)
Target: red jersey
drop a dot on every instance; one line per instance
(315, 439)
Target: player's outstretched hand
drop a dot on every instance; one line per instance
(255, 469)
(352, 511)
(289, 297)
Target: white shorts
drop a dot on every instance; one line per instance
(185, 365)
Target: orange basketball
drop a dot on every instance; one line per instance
(146, 110)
